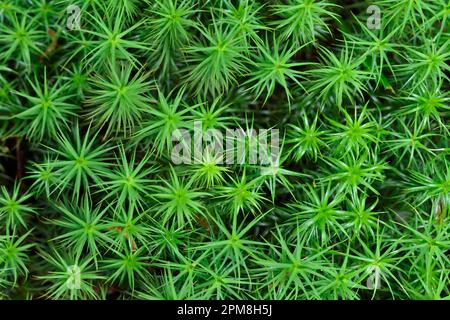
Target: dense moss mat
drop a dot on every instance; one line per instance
(96, 98)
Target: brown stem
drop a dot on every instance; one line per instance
(19, 159)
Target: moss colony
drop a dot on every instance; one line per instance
(106, 195)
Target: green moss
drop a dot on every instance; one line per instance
(354, 206)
